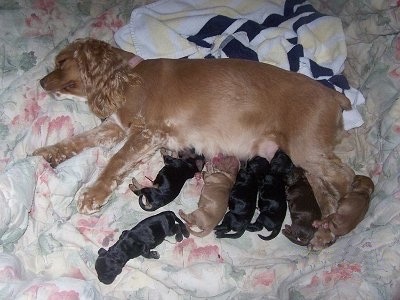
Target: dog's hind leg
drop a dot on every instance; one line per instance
(330, 180)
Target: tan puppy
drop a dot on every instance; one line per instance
(219, 178)
(351, 211)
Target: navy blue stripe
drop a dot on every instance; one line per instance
(294, 55)
(215, 26)
(251, 28)
(294, 40)
(306, 20)
(199, 42)
(340, 81)
(318, 70)
(273, 20)
(308, 8)
(288, 9)
(236, 49)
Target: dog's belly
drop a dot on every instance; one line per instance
(243, 146)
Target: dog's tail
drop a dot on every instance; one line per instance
(273, 235)
(183, 227)
(146, 206)
(235, 235)
(343, 101)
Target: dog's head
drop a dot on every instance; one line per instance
(92, 69)
(107, 266)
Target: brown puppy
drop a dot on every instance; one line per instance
(232, 106)
(351, 211)
(219, 179)
(303, 208)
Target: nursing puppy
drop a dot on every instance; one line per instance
(351, 211)
(219, 178)
(352, 208)
(169, 180)
(303, 208)
(272, 197)
(243, 198)
(145, 236)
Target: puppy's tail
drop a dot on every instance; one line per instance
(145, 206)
(343, 101)
(229, 235)
(183, 227)
(273, 235)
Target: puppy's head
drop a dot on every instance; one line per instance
(281, 163)
(363, 184)
(93, 69)
(107, 266)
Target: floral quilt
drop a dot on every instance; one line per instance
(48, 249)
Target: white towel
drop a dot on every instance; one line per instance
(291, 35)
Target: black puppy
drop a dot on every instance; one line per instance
(169, 180)
(146, 235)
(303, 208)
(243, 198)
(272, 197)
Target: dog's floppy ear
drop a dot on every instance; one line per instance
(102, 252)
(105, 76)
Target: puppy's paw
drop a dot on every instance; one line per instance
(324, 223)
(54, 155)
(92, 199)
(135, 186)
(322, 239)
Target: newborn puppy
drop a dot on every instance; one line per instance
(219, 178)
(272, 197)
(169, 181)
(352, 208)
(303, 208)
(243, 198)
(146, 235)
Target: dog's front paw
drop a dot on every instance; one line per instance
(92, 199)
(54, 154)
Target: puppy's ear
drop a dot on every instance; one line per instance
(102, 252)
(105, 76)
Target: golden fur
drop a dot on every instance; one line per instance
(351, 211)
(231, 106)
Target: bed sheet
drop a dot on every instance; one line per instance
(48, 250)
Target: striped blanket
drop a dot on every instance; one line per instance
(291, 35)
